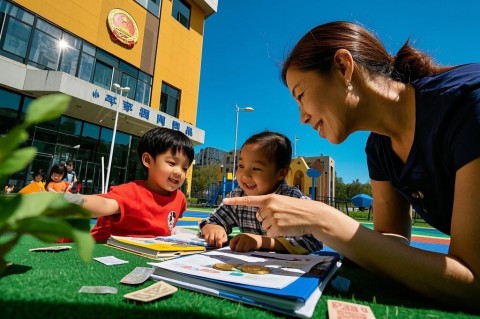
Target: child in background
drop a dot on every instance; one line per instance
(36, 185)
(146, 208)
(8, 189)
(55, 182)
(71, 176)
(263, 164)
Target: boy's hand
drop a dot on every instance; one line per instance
(246, 242)
(215, 235)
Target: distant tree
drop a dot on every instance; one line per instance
(347, 191)
(202, 178)
(340, 188)
(356, 187)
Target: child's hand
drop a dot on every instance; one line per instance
(246, 242)
(215, 235)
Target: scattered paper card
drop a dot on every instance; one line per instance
(98, 290)
(137, 276)
(155, 291)
(111, 260)
(341, 309)
(50, 248)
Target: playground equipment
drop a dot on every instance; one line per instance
(217, 189)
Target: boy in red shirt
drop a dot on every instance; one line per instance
(151, 207)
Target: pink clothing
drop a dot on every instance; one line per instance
(143, 213)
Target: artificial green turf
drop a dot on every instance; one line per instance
(45, 285)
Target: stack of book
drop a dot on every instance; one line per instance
(289, 284)
(153, 248)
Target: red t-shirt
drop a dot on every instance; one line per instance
(143, 213)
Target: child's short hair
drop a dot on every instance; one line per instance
(276, 146)
(70, 162)
(40, 172)
(58, 169)
(161, 139)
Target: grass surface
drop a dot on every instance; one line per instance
(45, 285)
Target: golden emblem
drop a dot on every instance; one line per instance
(123, 28)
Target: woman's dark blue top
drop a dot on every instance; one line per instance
(447, 136)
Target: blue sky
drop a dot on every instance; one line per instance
(246, 41)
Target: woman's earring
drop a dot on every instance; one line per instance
(349, 86)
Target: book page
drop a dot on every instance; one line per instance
(284, 268)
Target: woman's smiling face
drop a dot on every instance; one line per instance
(321, 101)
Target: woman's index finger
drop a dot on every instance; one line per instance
(253, 201)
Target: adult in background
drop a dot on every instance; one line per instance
(423, 151)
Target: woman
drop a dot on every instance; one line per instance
(423, 152)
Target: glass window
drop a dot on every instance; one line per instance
(91, 131)
(70, 125)
(126, 68)
(102, 75)
(49, 29)
(68, 139)
(107, 58)
(69, 61)
(85, 70)
(44, 51)
(9, 105)
(16, 12)
(88, 48)
(131, 82)
(70, 50)
(142, 94)
(72, 41)
(169, 100)
(45, 135)
(17, 36)
(145, 77)
(181, 12)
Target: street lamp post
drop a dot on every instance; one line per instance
(238, 110)
(295, 148)
(109, 167)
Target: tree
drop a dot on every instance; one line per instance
(340, 188)
(202, 178)
(347, 191)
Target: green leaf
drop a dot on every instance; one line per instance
(47, 108)
(8, 203)
(50, 229)
(11, 141)
(17, 160)
(45, 203)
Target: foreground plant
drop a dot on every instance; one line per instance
(47, 216)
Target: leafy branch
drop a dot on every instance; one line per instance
(47, 216)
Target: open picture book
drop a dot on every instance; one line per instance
(289, 284)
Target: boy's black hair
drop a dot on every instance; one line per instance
(56, 168)
(276, 146)
(161, 139)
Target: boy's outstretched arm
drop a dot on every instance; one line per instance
(97, 205)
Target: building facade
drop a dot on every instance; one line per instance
(321, 188)
(209, 156)
(93, 50)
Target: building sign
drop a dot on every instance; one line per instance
(144, 113)
(122, 27)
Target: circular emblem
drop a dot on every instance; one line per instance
(123, 28)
